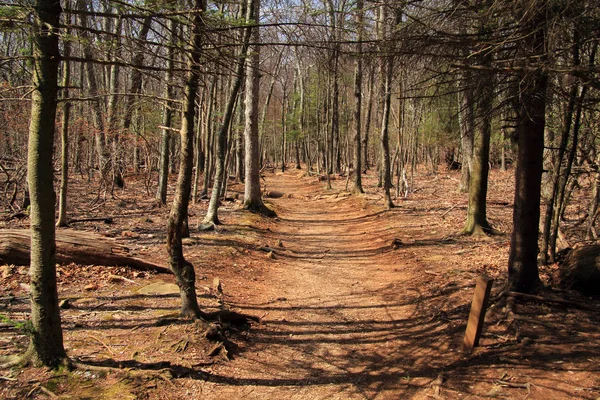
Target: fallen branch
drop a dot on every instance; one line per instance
(450, 209)
(515, 385)
(103, 344)
(106, 220)
(48, 392)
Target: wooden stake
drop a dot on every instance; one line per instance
(477, 314)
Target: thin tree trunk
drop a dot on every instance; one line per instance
(46, 340)
(358, 100)
(64, 131)
(182, 269)
(466, 116)
(387, 72)
(239, 143)
(114, 86)
(135, 88)
(199, 159)
(220, 172)
(209, 140)
(167, 116)
(96, 107)
(365, 139)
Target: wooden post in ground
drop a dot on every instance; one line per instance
(477, 314)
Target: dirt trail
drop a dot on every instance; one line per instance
(342, 317)
(344, 313)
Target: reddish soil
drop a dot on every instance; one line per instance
(354, 302)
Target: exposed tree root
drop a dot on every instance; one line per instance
(261, 209)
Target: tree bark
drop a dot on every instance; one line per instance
(387, 72)
(64, 133)
(73, 246)
(96, 106)
(358, 100)
(477, 223)
(46, 340)
(220, 173)
(365, 139)
(467, 126)
(252, 194)
(523, 273)
(182, 269)
(167, 116)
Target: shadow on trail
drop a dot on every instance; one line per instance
(411, 351)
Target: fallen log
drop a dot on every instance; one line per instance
(73, 246)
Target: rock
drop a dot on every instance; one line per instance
(580, 270)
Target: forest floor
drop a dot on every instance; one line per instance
(355, 302)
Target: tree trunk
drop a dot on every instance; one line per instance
(477, 223)
(209, 140)
(96, 106)
(467, 126)
(135, 88)
(365, 139)
(523, 274)
(64, 132)
(252, 194)
(46, 340)
(183, 270)
(199, 155)
(220, 172)
(358, 100)
(239, 143)
(387, 71)
(113, 130)
(167, 116)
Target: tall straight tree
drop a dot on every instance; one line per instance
(252, 194)
(212, 218)
(360, 16)
(182, 269)
(523, 273)
(46, 340)
(387, 67)
(64, 130)
(477, 223)
(167, 117)
(97, 108)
